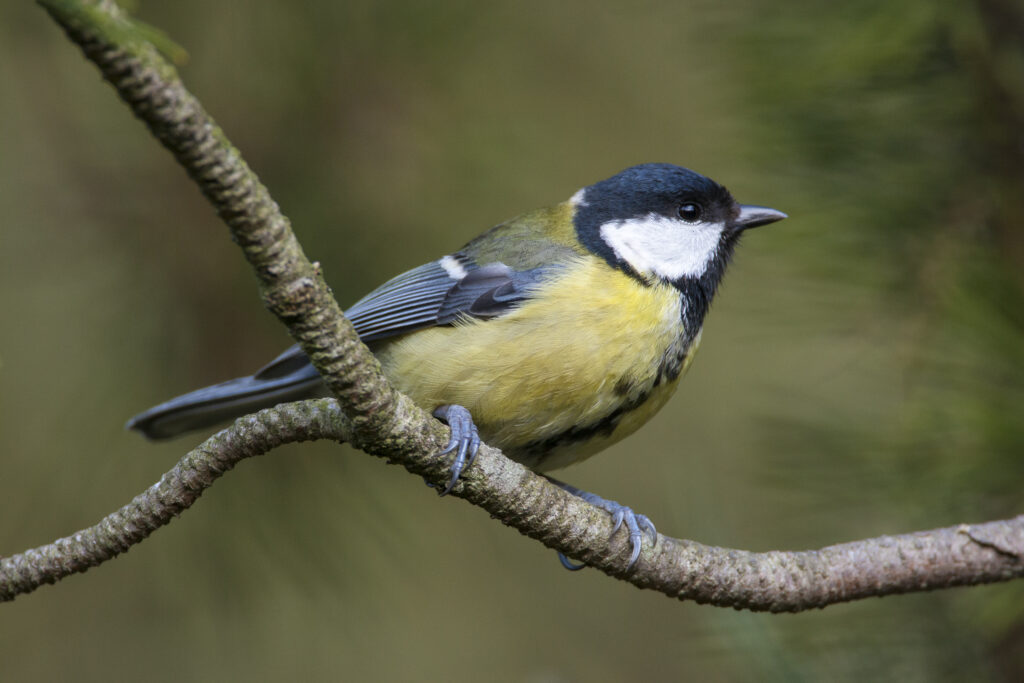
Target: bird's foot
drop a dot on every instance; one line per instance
(636, 524)
(465, 440)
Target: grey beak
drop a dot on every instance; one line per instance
(756, 216)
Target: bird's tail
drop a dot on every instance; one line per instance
(289, 377)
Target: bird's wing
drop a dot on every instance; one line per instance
(438, 293)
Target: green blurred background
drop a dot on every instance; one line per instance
(861, 372)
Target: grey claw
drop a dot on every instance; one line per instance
(474, 447)
(648, 526)
(451, 483)
(617, 519)
(636, 536)
(635, 555)
(458, 465)
(567, 563)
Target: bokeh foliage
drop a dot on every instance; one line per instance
(861, 371)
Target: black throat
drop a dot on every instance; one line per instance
(697, 292)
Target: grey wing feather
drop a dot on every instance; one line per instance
(408, 302)
(487, 292)
(211, 405)
(429, 296)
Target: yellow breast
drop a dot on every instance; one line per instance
(585, 362)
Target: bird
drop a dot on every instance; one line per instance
(550, 336)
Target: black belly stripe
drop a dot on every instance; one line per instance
(579, 434)
(668, 370)
(673, 360)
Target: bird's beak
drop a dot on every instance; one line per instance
(756, 216)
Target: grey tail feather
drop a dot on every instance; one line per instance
(215, 404)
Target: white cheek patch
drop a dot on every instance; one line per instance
(667, 247)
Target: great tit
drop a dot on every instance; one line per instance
(550, 336)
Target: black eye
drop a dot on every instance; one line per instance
(690, 212)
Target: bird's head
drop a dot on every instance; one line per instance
(664, 222)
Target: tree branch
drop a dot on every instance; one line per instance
(386, 423)
(175, 492)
